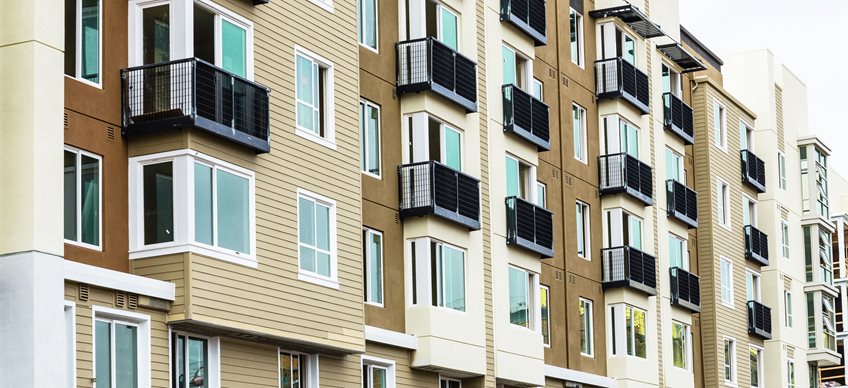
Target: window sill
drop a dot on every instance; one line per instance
(372, 175)
(84, 245)
(369, 48)
(327, 5)
(240, 259)
(306, 134)
(375, 304)
(317, 279)
(85, 82)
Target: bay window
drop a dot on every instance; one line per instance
(438, 274)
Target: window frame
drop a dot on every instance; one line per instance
(143, 346)
(720, 128)
(727, 303)
(589, 318)
(537, 84)
(440, 290)
(587, 230)
(531, 297)
(787, 309)
(449, 380)
(583, 156)
(581, 57)
(524, 79)
(328, 115)
(310, 362)
(730, 364)
(541, 194)
(679, 163)
(545, 319)
(755, 284)
(386, 364)
(367, 232)
(684, 252)
(760, 370)
(78, 44)
(687, 345)
(723, 203)
(78, 189)
(749, 205)
(790, 373)
(632, 340)
(781, 170)
(331, 281)
(444, 7)
(784, 238)
(223, 13)
(364, 106)
(213, 351)
(183, 202)
(361, 25)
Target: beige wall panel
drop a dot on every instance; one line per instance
(171, 268)
(406, 377)
(392, 315)
(246, 364)
(573, 190)
(554, 278)
(341, 372)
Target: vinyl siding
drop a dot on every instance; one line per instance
(406, 377)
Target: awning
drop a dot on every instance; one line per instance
(681, 57)
(633, 17)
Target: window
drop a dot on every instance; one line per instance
(83, 39)
(587, 339)
(629, 137)
(756, 365)
(541, 195)
(121, 348)
(516, 68)
(636, 332)
(317, 238)
(781, 168)
(726, 282)
(538, 91)
(448, 266)
(519, 176)
(194, 361)
(749, 211)
(752, 286)
(674, 166)
(627, 49)
(377, 373)
(445, 382)
(314, 97)
(434, 140)
(298, 370)
(583, 231)
(720, 125)
(678, 252)
(790, 373)
(784, 238)
(369, 129)
(576, 34)
(373, 266)
(578, 122)
(787, 301)
(545, 313)
(221, 223)
(634, 230)
(828, 323)
(730, 361)
(221, 40)
(155, 45)
(723, 199)
(82, 198)
(520, 297)
(368, 23)
(671, 82)
(746, 137)
(442, 23)
(680, 345)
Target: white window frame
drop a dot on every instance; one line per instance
(213, 352)
(78, 43)
(581, 57)
(723, 203)
(439, 7)
(726, 303)
(720, 128)
(183, 186)
(687, 351)
(781, 170)
(532, 301)
(70, 311)
(78, 186)
(541, 200)
(784, 239)
(309, 361)
(590, 330)
(584, 158)
(732, 362)
(365, 149)
(684, 251)
(535, 83)
(750, 205)
(327, 5)
(420, 273)
(367, 255)
(448, 379)
(787, 309)
(521, 61)
(361, 24)
(388, 365)
(587, 230)
(542, 324)
(627, 339)
(760, 367)
(141, 322)
(680, 165)
(232, 17)
(329, 116)
(331, 281)
(790, 373)
(744, 128)
(756, 280)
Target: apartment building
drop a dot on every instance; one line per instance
(836, 374)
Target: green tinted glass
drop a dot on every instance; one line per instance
(233, 48)
(202, 203)
(512, 177)
(448, 32)
(126, 356)
(91, 40)
(233, 212)
(102, 354)
(518, 298)
(508, 65)
(453, 149)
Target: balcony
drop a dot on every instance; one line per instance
(759, 319)
(682, 203)
(618, 78)
(623, 173)
(753, 171)
(429, 65)
(629, 267)
(528, 16)
(685, 289)
(756, 245)
(529, 226)
(431, 188)
(678, 118)
(526, 117)
(192, 93)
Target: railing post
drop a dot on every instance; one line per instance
(193, 89)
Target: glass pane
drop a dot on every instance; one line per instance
(640, 333)
(538, 90)
(285, 370)
(369, 25)
(70, 196)
(666, 79)
(581, 230)
(91, 40)
(102, 354)
(233, 212)
(585, 328)
(373, 138)
(233, 48)
(158, 188)
(577, 128)
(297, 374)
(126, 356)
(156, 34)
(518, 298)
(628, 323)
(544, 304)
(71, 38)
(574, 24)
(508, 66)
(204, 34)
(198, 371)
(448, 28)
(378, 378)
(202, 203)
(307, 259)
(322, 227)
(541, 195)
(454, 269)
(305, 92)
(629, 50)
(90, 195)
(375, 281)
(512, 177)
(755, 367)
(678, 344)
(306, 221)
(179, 361)
(323, 264)
(635, 232)
(453, 149)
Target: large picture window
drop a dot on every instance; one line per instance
(520, 306)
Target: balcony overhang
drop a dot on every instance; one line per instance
(633, 17)
(677, 54)
(823, 357)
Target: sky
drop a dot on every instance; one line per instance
(801, 38)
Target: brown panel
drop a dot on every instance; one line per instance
(579, 287)
(382, 64)
(557, 353)
(576, 94)
(574, 190)
(383, 191)
(392, 315)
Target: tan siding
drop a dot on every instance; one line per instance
(171, 268)
(248, 365)
(406, 376)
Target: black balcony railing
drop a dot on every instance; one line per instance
(685, 289)
(759, 319)
(682, 203)
(427, 64)
(753, 171)
(756, 245)
(431, 188)
(527, 16)
(616, 77)
(526, 117)
(192, 93)
(623, 173)
(629, 267)
(529, 226)
(678, 118)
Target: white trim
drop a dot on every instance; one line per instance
(730, 303)
(583, 133)
(235, 19)
(325, 4)
(331, 281)
(727, 204)
(106, 278)
(733, 367)
(328, 115)
(581, 52)
(388, 365)
(591, 329)
(577, 376)
(367, 255)
(389, 337)
(760, 367)
(723, 125)
(214, 353)
(78, 189)
(361, 24)
(364, 105)
(542, 324)
(70, 311)
(142, 322)
(311, 366)
(587, 229)
(78, 46)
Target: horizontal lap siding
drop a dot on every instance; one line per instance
(248, 365)
(406, 376)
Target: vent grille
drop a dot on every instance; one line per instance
(133, 301)
(83, 291)
(110, 133)
(66, 121)
(120, 299)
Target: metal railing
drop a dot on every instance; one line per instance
(529, 226)
(753, 170)
(678, 117)
(756, 245)
(628, 266)
(625, 173)
(759, 319)
(192, 92)
(527, 16)
(526, 116)
(432, 188)
(682, 202)
(616, 77)
(427, 64)
(685, 289)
